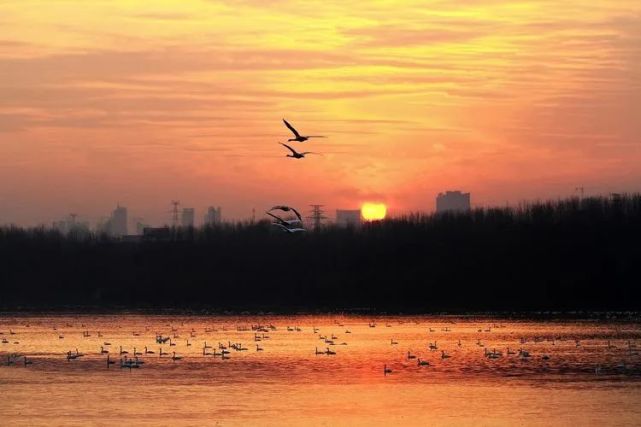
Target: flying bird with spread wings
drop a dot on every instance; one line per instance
(287, 225)
(286, 209)
(284, 222)
(295, 154)
(298, 136)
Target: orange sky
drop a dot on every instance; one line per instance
(144, 102)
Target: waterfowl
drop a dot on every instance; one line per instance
(297, 136)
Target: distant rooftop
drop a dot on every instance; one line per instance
(452, 201)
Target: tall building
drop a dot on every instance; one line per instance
(118, 223)
(452, 201)
(348, 217)
(213, 216)
(187, 218)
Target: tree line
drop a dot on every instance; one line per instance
(573, 254)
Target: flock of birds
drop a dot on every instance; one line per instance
(133, 358)
(292, 225)
(298, 138)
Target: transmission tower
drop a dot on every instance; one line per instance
(317, 216)
(174, 212)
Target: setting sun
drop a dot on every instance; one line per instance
(373, 211)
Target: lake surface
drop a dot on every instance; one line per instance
(568, 372)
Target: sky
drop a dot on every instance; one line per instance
(140, 103)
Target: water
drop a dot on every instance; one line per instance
(572, 377)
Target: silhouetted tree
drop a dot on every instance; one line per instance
(565, 255)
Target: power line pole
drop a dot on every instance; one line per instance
(317, 216)
(174, 212)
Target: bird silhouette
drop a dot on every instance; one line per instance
(299, 137)
(295, 154)
(287, 209)
(284, 222)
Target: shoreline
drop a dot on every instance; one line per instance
(586, 315)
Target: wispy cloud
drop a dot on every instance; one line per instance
(187, 96)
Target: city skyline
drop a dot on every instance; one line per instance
(209, 214)
(141, 104)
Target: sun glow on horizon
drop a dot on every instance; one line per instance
(373, 211)
(146, 102)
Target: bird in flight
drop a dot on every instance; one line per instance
(289, 226)
(289, 230)
(295, 154)
(284, 222)
(287, 209)
(299, 137)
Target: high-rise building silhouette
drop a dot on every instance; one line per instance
(452, 201)
(213, 216)
(187, 217)
(118, 223)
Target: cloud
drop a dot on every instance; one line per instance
(383, 36)
(167, 16)
(187, 97)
